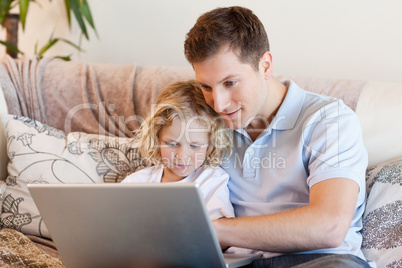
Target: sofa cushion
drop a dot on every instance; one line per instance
(382, 220)
(378, 107)
(42, 154)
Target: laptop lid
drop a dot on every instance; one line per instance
(130, 225)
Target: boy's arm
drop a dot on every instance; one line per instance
(321, 224)
(216, 194)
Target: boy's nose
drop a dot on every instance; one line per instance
(181, 154)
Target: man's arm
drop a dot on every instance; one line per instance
(321, 224)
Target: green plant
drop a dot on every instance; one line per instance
(9, 21)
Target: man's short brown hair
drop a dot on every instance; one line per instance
(236, 27)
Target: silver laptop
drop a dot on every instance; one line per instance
(131, 225)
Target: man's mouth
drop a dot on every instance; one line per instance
(232, 114)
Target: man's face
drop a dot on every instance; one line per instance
(233, 89)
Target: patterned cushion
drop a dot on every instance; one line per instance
(41, 154)
(382, 221)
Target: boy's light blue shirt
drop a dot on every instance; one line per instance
(311, 139)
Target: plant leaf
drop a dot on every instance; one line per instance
(52, 42)
(85, 10)
(49, 44)
(77, 47)
(11, 47)
(24, 5)
(87, 13)
(75, 6)
(68, 10)
(36, 48)
(5, 6)
(66, 58)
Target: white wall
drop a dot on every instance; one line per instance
(358, 39)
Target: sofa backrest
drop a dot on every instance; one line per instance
(379, 109)
(377, 104)
(106, 95)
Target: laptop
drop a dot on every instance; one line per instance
(131, 225)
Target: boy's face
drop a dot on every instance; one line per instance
(183, 148)
(233, 89)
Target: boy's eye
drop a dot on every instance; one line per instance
(172, 144)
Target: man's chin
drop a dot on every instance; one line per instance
(233, 125)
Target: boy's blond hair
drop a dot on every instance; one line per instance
(184, 100)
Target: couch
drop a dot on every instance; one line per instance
(71, 122)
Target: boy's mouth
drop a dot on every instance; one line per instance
(181, 166)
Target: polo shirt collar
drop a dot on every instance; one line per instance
(289, 111)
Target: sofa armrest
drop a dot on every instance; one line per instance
(3, 143)
(379, 109)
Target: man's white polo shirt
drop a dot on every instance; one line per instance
(312, 138)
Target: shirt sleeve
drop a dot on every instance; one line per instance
(142, 176)
(333, 145)
(214, 187)
(129, 179)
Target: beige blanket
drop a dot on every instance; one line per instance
(92, 98)
(17, 250)
(347, 90)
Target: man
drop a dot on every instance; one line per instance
(298, 163)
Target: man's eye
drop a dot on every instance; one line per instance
(230, 83)
(205, 87)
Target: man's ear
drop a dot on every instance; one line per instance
(266, 65)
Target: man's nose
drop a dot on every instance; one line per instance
(221, 100)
